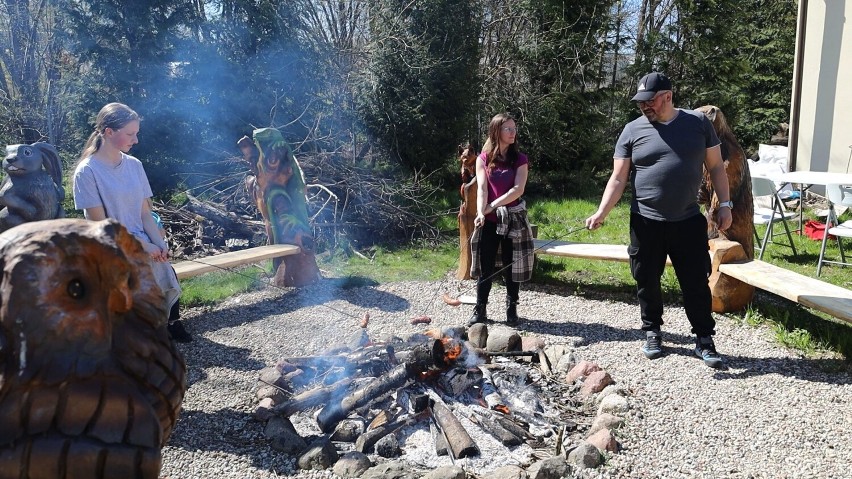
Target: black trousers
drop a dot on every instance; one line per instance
(685, 242)
(488, 244)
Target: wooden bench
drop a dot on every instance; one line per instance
(810, 292)
(190, 268)
(804, 290)
(609, 252)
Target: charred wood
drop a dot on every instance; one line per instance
(513, 427)
(491, 426)
(312, 398)
(367, 441)
(335, 411)
(441, 446)
(460, 442)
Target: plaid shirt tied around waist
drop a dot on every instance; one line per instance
(512, 223)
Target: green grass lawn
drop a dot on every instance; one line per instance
(807, 331)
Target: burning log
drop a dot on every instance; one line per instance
(335, 412)
(312, 398)
(418, 359)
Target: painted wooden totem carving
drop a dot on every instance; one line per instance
(32, 189)
(729, 294)
(90, 383)
(467, 210)
(278, 187)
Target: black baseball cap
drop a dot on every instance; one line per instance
(650, 84)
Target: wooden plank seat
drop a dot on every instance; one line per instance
(190, 268)
(609, 252)
(807, 291)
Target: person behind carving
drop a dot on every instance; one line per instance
(501, 218)
(662, 153)
(107, 182)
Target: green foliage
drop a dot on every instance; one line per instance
(420, 88)
(763, 101)
(213, 287)
(538, 68)
(411, 263)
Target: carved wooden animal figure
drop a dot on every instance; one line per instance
(278, 187)
(32, 190)
(467, 211)
(90, 383)
(739, 183)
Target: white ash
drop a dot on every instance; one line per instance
(770, 414)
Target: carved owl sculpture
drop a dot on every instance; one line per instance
(32, 189)
(90, 383)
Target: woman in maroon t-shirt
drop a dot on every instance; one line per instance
(501, 175)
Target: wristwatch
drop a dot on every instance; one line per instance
(729, 204)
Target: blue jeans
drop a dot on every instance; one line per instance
(685, 243)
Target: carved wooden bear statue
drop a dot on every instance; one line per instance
(32, 190)
(739, 183)
(467, 210)
(729, 294)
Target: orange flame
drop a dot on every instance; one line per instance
(452, 349)
(502, 409)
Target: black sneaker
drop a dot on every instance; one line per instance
(653, 347)
(178, 333)
(706, 350)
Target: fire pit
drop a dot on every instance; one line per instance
(448, 392)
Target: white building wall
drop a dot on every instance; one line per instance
(824, 129)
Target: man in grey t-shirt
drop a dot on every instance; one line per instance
(662, 154)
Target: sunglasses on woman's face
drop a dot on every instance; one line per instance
(508, 129)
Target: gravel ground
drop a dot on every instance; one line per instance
(770, 413)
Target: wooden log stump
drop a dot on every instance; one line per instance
(729, 294)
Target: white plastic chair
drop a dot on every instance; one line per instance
(762, 187)
(837, 195)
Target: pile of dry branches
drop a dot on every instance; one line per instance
(349, 206)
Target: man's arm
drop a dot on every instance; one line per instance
(716, 169)
(612, 193)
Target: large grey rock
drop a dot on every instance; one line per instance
(352, 464)
(551, 468)
(388, 446)
(509, 472)
(585, 456)
(390, 470)
(320, 455)
(614, 404)
(446, 472)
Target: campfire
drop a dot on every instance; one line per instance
(445, 392)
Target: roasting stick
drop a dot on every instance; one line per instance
(456, 302)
